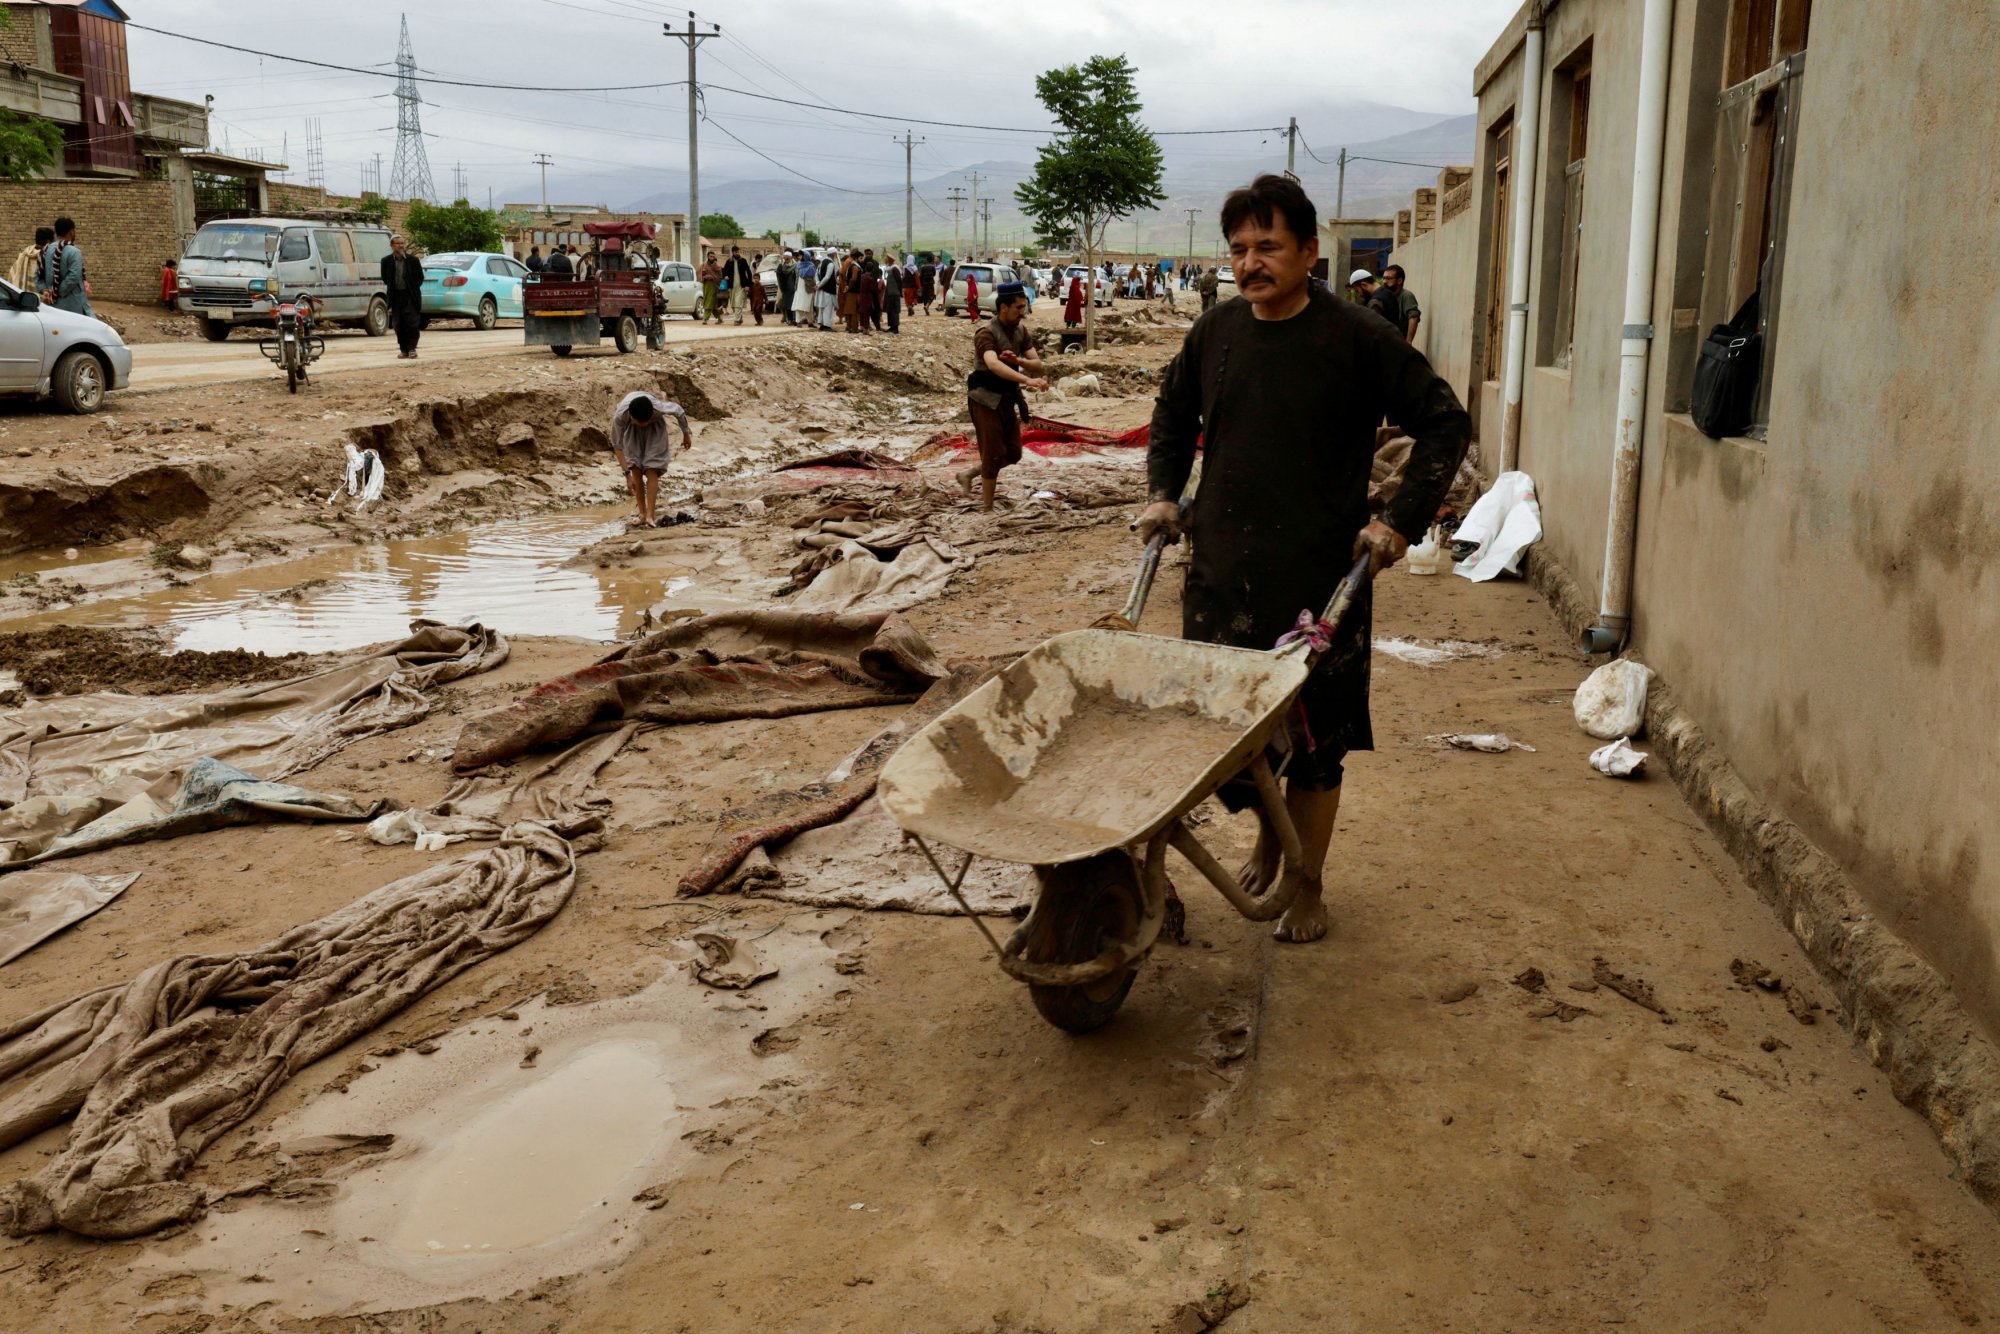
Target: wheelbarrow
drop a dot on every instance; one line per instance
(1082, 759)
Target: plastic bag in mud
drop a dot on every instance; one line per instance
(1611, 702)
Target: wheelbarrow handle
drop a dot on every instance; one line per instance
(1336, 611)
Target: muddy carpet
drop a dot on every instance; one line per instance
(158, 1068)
(748, 664)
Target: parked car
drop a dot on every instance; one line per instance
(478, 284)
(232, 265)
(1225, 283)
(1100, 294)
(990, 277)
(678, 290)
(73, 359)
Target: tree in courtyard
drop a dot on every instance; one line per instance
(439, 229)
(720, 227)
(29, 146)
(1102, 165)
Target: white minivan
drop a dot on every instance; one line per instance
(234, 267)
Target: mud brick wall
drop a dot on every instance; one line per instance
(126, 229)
(1424, 211)
(1403, 227)
(18, 43)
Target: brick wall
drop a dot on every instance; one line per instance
(17, 39)
(289, 199)
(126, 229)
(1403, 227)
(1423, 210)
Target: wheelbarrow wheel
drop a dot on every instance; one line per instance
(1085, 908)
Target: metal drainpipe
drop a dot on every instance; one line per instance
(1614, 598)
(1526, 167)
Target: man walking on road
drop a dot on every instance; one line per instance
(1286, 388)
(403, 276)
(892, 293)
(1208, 286)
(1408, 313)
(788, 283)
(710, 274)
(64, 285)
(639, 439)
(737, 277)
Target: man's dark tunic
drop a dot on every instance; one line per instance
(1289, 410)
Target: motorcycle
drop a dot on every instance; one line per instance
(296, 346)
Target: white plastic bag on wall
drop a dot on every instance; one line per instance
(1611, 702)
(1504, 522)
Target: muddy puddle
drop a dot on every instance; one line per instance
(510, 575)
(550, 1142)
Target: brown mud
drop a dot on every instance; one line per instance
(1381, 1130)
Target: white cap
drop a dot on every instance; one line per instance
(1360, 276)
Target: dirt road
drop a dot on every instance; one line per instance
(1452, 1114)
(178, 365)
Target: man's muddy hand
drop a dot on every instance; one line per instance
(1162, 516)
(1384, 544)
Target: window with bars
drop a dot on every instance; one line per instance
(1569, 142)
(1502, 195)
(1756, 141)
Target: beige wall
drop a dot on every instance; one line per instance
(1825, 602)
(1440, 267)
(125, 228)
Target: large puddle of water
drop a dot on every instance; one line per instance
(542, 1158)
(507, 575)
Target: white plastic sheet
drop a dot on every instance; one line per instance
(1617, 760)
(1504, 522)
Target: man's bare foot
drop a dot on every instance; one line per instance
(1306, 919)
(966, 478)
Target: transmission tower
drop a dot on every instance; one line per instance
(410, 178)
(315, 155)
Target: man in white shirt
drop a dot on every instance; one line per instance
(639, 439)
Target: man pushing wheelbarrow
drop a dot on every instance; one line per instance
(1085, 757)
(1287, 387)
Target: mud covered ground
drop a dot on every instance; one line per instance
(1451, 1114)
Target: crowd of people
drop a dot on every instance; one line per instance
(51, 266)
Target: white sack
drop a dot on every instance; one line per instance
(1617, 760)
(1611, 702)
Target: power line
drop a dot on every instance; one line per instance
(421, 78)
(793, 170)
(1356, 157)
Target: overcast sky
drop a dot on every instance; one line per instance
(1201, 65)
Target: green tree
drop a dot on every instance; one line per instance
(1102, 165)
(438, 229)
(812, 237)
(720, 227)
(373, 207)
(29, 146)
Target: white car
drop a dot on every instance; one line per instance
(677, 289)
(1225, 284)
(73, 359)
(990, 277)
(1100, 295)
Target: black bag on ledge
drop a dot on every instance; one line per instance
(1725, 379)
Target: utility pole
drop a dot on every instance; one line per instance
(1292, 148)
(909, 197)
(693, 39)
(543, 160)
(986, 215)
(1190, 250)
(974, 210)
(378, 174)
(957, 197)
(1340, 192)
(458, 190)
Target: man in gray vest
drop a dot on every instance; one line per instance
(62, 279)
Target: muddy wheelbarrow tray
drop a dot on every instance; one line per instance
(1095, 741)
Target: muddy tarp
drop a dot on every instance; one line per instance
(775, 817)
(863, 861)
(744, 664)
(210, 796)
(65, 763)
(859, 576)
(34, 905)
(485, 805)
(158, 1068)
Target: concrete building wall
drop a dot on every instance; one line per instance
(126, 229)
(1441, 268)
(1822, 599)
